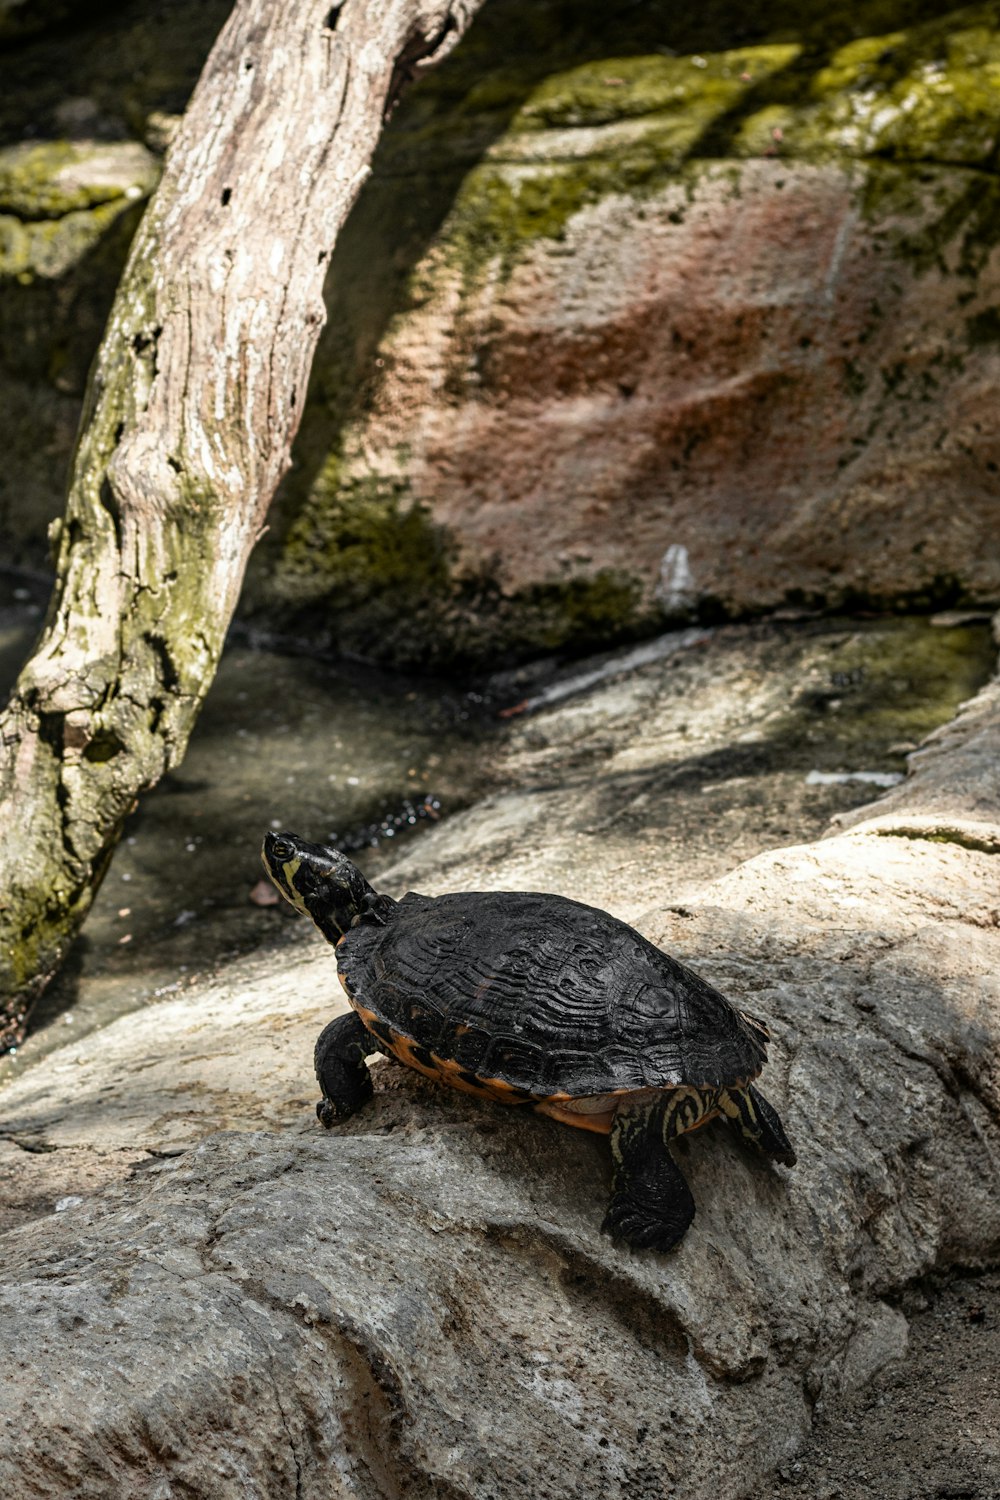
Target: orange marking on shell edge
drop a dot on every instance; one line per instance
(446, 1070)
(443, 1069)
(600, 1124)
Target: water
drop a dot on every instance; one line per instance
(335, 752)
(738, 723)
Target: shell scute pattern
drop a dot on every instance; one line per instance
(546, 994)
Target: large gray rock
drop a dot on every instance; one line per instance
(421, 1302)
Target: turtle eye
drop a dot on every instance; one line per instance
(281, 849)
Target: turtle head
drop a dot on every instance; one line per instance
(320, 882)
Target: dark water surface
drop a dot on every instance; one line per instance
(336, 752)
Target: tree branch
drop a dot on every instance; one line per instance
(191, 409)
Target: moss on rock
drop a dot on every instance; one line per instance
(366, 570)
(887, 685)
(362, 539)
(628, 124)
(67, 215)
(80, 107)
(925, 94)
(542, 112)
(58, 199)
(698, 89)
(49, 179)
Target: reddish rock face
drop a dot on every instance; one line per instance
(708, 331)
(644, 312)
(739, 393)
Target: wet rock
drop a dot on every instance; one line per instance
(421, 1301)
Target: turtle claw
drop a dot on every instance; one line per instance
(341, 1070)
(651, 1206)
(632, 1222)
(326, 1113)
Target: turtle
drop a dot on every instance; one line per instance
(539, 1001)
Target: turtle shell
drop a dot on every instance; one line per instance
(544, 995)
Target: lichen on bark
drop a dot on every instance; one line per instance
(191, 408)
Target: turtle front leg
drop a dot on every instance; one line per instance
(758, 1122)
(341, 1069)
(651, 1205)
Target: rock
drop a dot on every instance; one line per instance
(667, 323)
(701, 333)
(46, 183)
(67, 213)
(959, 783)
(421, 1301)
(75, 172)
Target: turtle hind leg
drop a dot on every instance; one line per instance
(758, 1122)
(651, 1205)
(341, 1070)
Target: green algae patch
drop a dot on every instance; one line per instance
(48, 179)
(503, 209)
(574, 614)
(924, 94)
(363, 539)
(932, 218)
(885, 683)
(499, 211)
(701, 88)
(59, 199)
(51, 248)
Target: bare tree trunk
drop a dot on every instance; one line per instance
(192, 406)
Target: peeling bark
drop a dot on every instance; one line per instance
(192, 406)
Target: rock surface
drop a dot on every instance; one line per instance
(84, 116)
(643, 312)
(710, 332)
(421, 1302)
(931, 1425)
